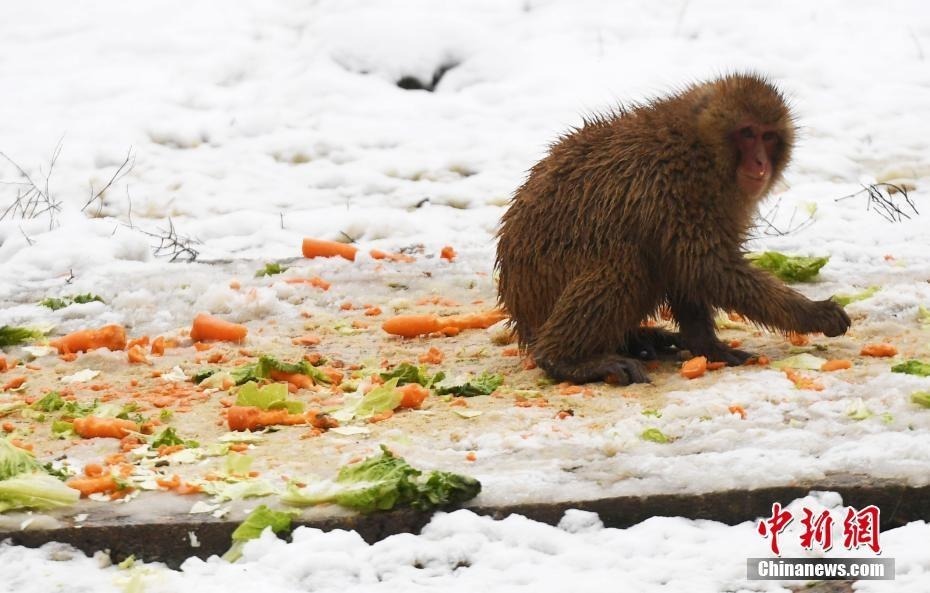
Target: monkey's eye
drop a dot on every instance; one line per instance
(747, 132)
(769, 136)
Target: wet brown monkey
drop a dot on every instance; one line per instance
(649, 206)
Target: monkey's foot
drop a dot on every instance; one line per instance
(651, 343)
(611, 368)
(717, 351)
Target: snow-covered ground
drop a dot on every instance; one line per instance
(252, 124)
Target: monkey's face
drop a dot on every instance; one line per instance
(759, 148)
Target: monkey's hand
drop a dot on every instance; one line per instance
(830, 318)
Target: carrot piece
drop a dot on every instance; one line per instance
(381, 416)
(207, 327)
(93, 470)
(296, 379)
(802, 382)
(414, 394)
(694, 368)
(94, 426)
(3, 365)
(158, 346)
(738, 409)
(797, 339)
(879, 350)
(314, 281)
(715, 366)
(432, 356)
(395, 257)
(14, 383)
(410, 326)
(108, 336)
(98, 484)
(143, 341)
(252, 418)
(308, 340)
(322, 248)
(836, 364)
(137, 355)
(448, 253)
(8, 427)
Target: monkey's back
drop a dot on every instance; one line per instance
(592, 199)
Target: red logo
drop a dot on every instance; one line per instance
(860, 528)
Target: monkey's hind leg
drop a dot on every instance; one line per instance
(699, 336)
(581, 338)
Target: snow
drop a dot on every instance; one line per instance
(253, 124)
(461, 551)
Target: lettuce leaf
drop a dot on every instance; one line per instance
(385, 482)
(267, 397)
(253, 526)
(13, 336)
(169, 437)
(913, 367)
(408, 373)
(262, 370)
(36, 490)
(54, 303)
(50, 402)
(483, 384)
(790, 268)
(803, 361)
(654, 435)
(845, 299)
(921, 398)
(15, 461)
(271, 269)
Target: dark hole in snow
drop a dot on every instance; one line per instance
(412, 83)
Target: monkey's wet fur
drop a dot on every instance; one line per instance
(649, 206)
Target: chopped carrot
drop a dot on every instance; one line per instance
(694, 368)
(14, 383)
(308, 340)
(235, 284)
(321, 420)
(395, 257)
(410, 326)
(158, 346)
(137, 355)
(797, 339)
(207, 327)
(471, 456)
(108, 336)
(511, 351)
(94, 426)
(3, 366)
(93, 470)
(166, 450)
(836, 364)
(735, 343)
(372, 311)
(202, 346)
(715, 366)
(322, 248)
(314, 281)
(738, 409)
(296, 379)
(143, 341)
(381, 416)
(432, 356)
(802, 382)
(98, 484)
(334, 375)
(879, 350)
(8, 427)
(253, 418)
(448, 253)
(414, 394)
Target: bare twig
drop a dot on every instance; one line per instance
(33, 200)
(880, 200)
(769, 225)
(171, 244)
(123, 170)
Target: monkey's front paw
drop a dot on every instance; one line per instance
(612, 368)
(831, 318)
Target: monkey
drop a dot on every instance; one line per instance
(648, 206)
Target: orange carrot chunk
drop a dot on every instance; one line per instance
(207, 327)
(88, 485)
(879, 350)
(409, 326)
(414, 394)
(296, 379)
(253, 418)
(395, 257)
(448, 253)
(108, 336)
(321, 248)
(694, 368)
(837, 364)
(93, 426)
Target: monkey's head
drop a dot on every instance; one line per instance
(749, 127)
